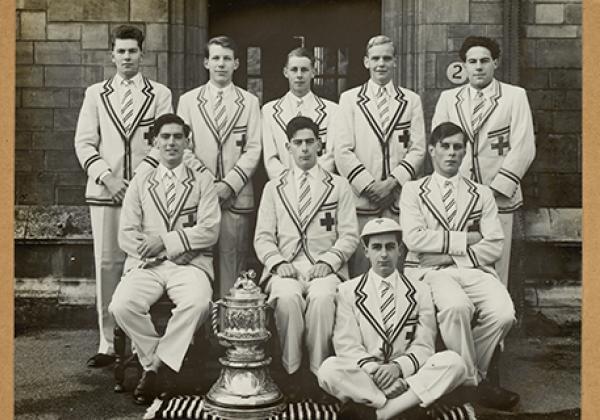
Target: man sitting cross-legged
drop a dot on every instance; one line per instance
(169, 221)
(454, 237)
(305, 233)
(384, 338)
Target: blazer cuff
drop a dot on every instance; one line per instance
(368, 364)
(236, 179)
(404, 172)
(95, 166)
(272, 259)
(505, 182)
(408, 364)
(334, 258)
(176, 242)
(360, 178)
(457, 243)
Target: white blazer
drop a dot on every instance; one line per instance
(275, 117)
(501, 152)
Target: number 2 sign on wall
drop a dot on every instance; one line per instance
(456, 73)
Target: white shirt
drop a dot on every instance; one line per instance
(136, 88)
(178, 171)
(377, 280)
(213, 90)
(374, 89)
(487, 92)
(441, 180)
(308, 103)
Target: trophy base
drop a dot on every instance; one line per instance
(248, 393)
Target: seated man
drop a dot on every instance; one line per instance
(306, 231)
(169, 221)
(454, 237)
(384, 338)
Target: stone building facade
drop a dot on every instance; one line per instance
(62, 47)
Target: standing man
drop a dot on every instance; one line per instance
(497, 119)
(454, 237)
(300, 100)
(111, 145)
(225, 121)
(305, 233)
(384, 338)
(379, 140)
(170, 221)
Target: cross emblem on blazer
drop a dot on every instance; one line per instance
(500, 145)
(148, 137)
(190, 221)
(241, 143)
(327, 221)
(404, 138)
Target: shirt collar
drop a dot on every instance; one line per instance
(441, 180)
(307, 100)
(377, 279)
(312, 172)
(214, 89)
(178, 171)
(487, 91)
(137, 80)
(374, 88)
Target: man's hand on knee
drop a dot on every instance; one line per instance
(185, 258)
(288, 270)
(318, 270)
(151, 246)
(385, 375)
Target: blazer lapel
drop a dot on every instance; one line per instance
(463, 109)
(432, 198)
(188, 185)
(493, 102)
(368, 107)
(324, 188)
(147, 99)
(405, 304)
(110, 100)
(234, 111)
(157, 194)
(206, 113)
(397, 109)
(287, 194)
(319, 112)
(368, 305)
(466, 200)
(280, 114)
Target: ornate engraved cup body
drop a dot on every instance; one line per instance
(245, 388)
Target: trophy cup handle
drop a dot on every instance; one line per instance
(214, 316)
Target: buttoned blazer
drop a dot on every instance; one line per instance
(101, 142)
(359, 332)
(275, 116)
(193, 227)
(281, 237)
(425, 227)
(364, 154)
(231, 158)
(501, 152)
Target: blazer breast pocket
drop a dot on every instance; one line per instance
(499, 141)
(240, 136)
(401, 135)
(188, 217)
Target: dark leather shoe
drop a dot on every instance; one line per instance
(492, 396)
(100, 360)
(167, 382)
(353, 411)
(146, 388)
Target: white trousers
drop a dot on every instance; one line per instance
(233, 248)
(342, 378)
(463, 296)
(188, 288)
(108, 262)
(304, 313)
(503, 264)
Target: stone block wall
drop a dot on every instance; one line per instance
(550, 70)
(63, 47)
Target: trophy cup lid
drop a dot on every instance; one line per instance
(245, 288)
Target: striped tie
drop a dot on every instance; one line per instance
(304, 199)
(388, 307)
(170, 192)
(449, 203)
(478, 111)
(299, 107)
(220, 114)
(382, 107)
(127, 106)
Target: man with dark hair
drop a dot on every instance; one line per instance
(378, 138)
(497, 120)
(384, 338)
(225, 122)
(305, 233)
(111, 145)
(299, 70)
(169, 222)
(454, 237)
